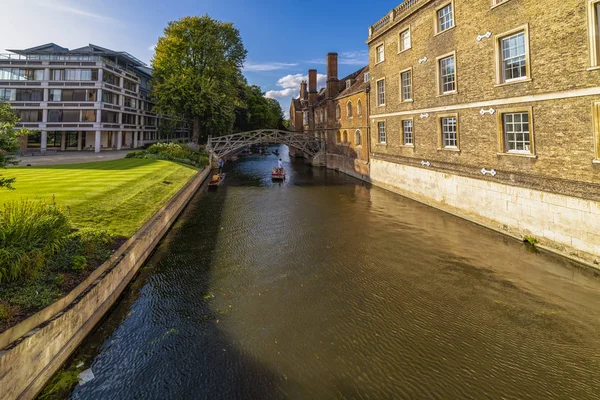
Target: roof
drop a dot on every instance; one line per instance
(91, 49)
(358, 84)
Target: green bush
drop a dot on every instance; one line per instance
(78, 263)
(31, 232)
(177, 152)
(95, 243)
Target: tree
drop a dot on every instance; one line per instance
(9, 141)
(257, 111)
(197, 67)
(166, 128)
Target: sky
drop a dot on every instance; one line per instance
(284, 38)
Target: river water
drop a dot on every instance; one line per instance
(324, 287)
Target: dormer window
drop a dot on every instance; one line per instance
(367, 77)
(348, 83)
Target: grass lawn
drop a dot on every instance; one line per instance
(119, 196)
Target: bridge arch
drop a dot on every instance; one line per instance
(222, 146)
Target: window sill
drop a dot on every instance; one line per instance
(381, 144)
(596, 161)
(453, 149)
(596, 68)
(406, 49)
(408, 146)
(447, 93)
(513, 82)
(381, 105)
(445, 30)
(408, 101)
(379, 62)
(522, 155)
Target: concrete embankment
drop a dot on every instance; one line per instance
(34, 349)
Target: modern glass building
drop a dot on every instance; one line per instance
(89, 98)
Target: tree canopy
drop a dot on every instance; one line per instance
(256, 111)
(197, 70)
(9, 140)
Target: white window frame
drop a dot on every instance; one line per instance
(436, 20)
(401, 47)
(412, 132)
(359, 108)
(496, 3)
(593, 11)
(349, 113)
(500, 61)
(503, 142)
(367, 77)
(441, 139)
(377, 47)
(357, 138)
(402, 86)
(377, 94)
(380, 125)
(439, 60)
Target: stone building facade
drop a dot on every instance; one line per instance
(490, 109)
(337, 114)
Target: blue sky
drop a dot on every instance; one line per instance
(284, 38)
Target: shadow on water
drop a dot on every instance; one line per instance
(177, 328)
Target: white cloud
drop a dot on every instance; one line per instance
(152, 48)
(290, 85)
(270, 66)
(73, 10)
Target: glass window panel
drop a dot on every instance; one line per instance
(449, 138)
(88, 116)
(447, 75)
(381, 92)
(71, 116)
(516, 132)
(514, 60)
(445, 20)
(407, 132)
(406, 85)
(381, 129)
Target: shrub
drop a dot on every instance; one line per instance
(95, 243)
(78, 263)
(178, 152)
(30, 233)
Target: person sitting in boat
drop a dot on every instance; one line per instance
(220, 166)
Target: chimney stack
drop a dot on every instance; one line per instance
(332, 74)
(303, 90)
(312, 86)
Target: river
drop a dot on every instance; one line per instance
(324, 287)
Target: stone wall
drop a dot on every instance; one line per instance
(28, 362)
(564, 224)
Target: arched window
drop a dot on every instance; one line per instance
(338, 112)
(357, 138)
(338, 137)
(325, 114)
(349, 109)
(345, 136)
(359, 108)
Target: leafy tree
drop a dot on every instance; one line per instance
(197, 68)
(9, 141)
(166, 128)
(257, 111)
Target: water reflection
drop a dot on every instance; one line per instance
(323, 287)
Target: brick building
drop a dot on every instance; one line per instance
(490, 109)
(338, 114)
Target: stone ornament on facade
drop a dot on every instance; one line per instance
(426, 115)
(425, 163)
(491, 111)
(422, 60)
(491, 172)
(486, 35)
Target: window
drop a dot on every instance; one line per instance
(348, 83)
(407, 132)
(381, 131)
(497, 2)
(447, 75)
(130, 102)
(110, 98)
(381, 92)
(594, 30)
(367, 77)
(109, 78)
(512, 54)
(445, 18)
(449, 132)
(359, 108)
(404, 42)
(18, 74)
(515, 131)
(380, 53)
(129, 119)
(30, 95)
(109, 117)
(131, 86)
(30, 115)
(349, 109)
(8, 95)
(71, 74)
(357, 138)
(406, 85)
(345, 136)
(338, 112)
(88, 116)
(596, 118)
(305, 117)
(338, 137)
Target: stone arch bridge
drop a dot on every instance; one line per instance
(222, 146)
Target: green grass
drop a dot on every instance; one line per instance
(119, 196)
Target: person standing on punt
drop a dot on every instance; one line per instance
(220, 166)
(280, 165)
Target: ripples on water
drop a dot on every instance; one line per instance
(322, 287)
